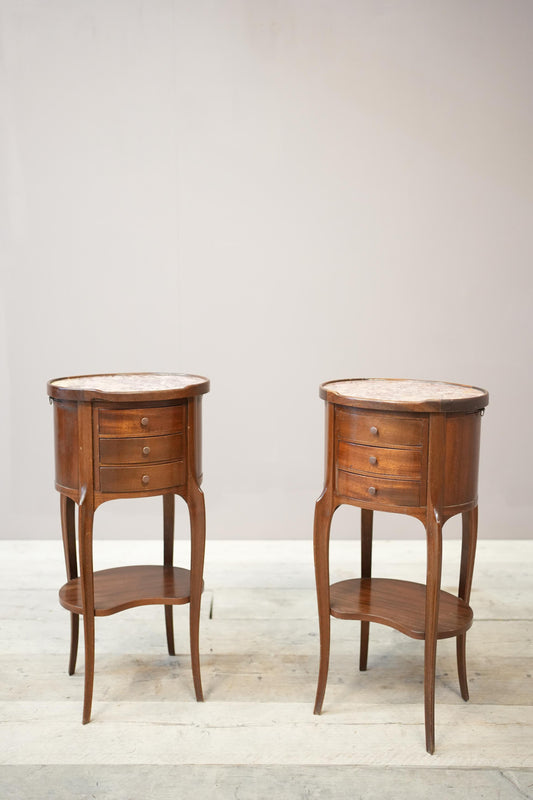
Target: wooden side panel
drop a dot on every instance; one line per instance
(66, 443)
(462, 458)
(198, 438)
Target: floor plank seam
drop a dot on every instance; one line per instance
(260, 657)
(514, 784)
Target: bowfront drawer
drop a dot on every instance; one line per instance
(144, 478)
(379, 460)
(381, 430)
(142, 449)
(141, 421)
(378, 491)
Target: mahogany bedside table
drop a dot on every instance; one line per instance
(132, 435)
(408, 447)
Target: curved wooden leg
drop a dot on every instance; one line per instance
(169, 626)
(461, 665)
(195, 501)
(168, 558)
(74, 639)
(434, 565)
(367, 516)
(323, 514)
(87, 591)
(68, 530)
(468, 553)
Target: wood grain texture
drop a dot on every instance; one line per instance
(385, 461)
(367, 520)
(168, 561)
(324, 509)
(126, 587)
(462, 459)
(66, 444)
(381, 492)
(85, 537)
(142, 421)
(141, 450)
(148, 477)
(398, 604)
(377, 428)
(468, 552)
(68, 529)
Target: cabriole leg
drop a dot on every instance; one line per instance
(68, 529)
(434, 566)
(323, 514)
(85, 527)
(367, 516)
(168, 558)
(195, 501)
(468, 552)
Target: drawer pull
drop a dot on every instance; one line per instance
(373, 460)
(145, 479)
(372, 490)
(146, 451)
(374, 430)
(144, 421)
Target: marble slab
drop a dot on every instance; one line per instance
(130, 382)
(401, 391)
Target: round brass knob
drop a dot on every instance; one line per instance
(374, 430)
(145, 479)
(372, 490)
(144, 422)
(146, 451)
(373, 460)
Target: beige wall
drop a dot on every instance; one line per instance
(271, 193)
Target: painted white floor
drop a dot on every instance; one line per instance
(256, 735)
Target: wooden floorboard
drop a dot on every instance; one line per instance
(237, 782)
(256, 736)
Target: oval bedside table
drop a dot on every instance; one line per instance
(407, 447)
(117, 436)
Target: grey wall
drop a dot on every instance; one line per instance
(271, 193)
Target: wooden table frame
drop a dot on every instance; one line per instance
(91, 594)
(448, 486)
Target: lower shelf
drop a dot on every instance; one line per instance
(399, 604)
(126, 587)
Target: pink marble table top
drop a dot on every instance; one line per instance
(132, 382)
(401, 391)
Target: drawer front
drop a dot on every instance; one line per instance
(141, 421)
(144, 478)
(379, 430)
(387, 491)
(379, 460)
(142, 449)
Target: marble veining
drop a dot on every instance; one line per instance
(134, 382)
(401, 391)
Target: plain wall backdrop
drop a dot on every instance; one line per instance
(271, 193)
